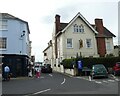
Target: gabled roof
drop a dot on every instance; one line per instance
(8, 16)
(79, 15)
(64, 26)
(107, 33)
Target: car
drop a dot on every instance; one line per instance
(116, 69)
(99, 70)
(46, 68)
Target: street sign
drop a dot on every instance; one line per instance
(79, 64)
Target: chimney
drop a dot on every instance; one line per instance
(57, 23)
(57, 29)
(99, 26)
(101, 45)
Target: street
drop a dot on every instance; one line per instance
(57, 83)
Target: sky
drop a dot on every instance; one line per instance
(40, 15)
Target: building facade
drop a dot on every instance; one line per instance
(15, 44)
(79, 37)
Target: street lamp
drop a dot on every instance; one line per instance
(23, 34)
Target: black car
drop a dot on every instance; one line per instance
(46, 68)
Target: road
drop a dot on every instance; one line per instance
(57, 83)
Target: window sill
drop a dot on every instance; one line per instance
(3, 29)
(69, 47)
(2, 49)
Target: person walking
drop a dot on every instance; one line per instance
(38, 72)
(29, 71)
(6, 72)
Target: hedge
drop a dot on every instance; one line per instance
(88, 62)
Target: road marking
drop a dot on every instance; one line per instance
(98, 82)
(115, 77)
(50, 75)
(111, 80)
(42, 77)
(41, 91)
(63, 81)
(105, 81)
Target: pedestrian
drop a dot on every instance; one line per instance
(6, 72)
(29, 71)
(38, 72)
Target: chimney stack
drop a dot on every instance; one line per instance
(57, 23)
(100, 38)
(99, 26)
(57, 29)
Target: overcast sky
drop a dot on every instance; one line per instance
(40, 14)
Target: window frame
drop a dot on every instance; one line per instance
(89, 41)
(78, 28)
(108, 46)
(3, 43)
(3, 24)
(68, 46)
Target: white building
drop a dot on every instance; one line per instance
(80, 37)
(14, 43)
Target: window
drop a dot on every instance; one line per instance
(69, 43)
(3, 24)
(78, 28)
(108, 46)
(88, 43)
(45, 54)
(75, 28)
(3, 43)
(81, 28)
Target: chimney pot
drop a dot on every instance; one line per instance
(57, 23)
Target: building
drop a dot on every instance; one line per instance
(15, 44)
(116, 51)
(79, 37)
(48, 53)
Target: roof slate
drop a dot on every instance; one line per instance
(107, 33)
(9, 16)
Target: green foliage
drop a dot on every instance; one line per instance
(88, 62)
(68, 63)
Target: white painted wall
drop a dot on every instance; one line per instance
(88, 34)
(109, 50)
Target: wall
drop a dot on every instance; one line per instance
(111, 49)
(16, 44)
(88, 34)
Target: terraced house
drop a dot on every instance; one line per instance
(15, 45)
(79, 37)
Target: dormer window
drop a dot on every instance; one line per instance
(81, 28)
(78, 28)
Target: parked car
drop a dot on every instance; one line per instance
(46, 68)
(116, 69)
(99, 70)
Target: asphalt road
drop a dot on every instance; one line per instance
(57, 83)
